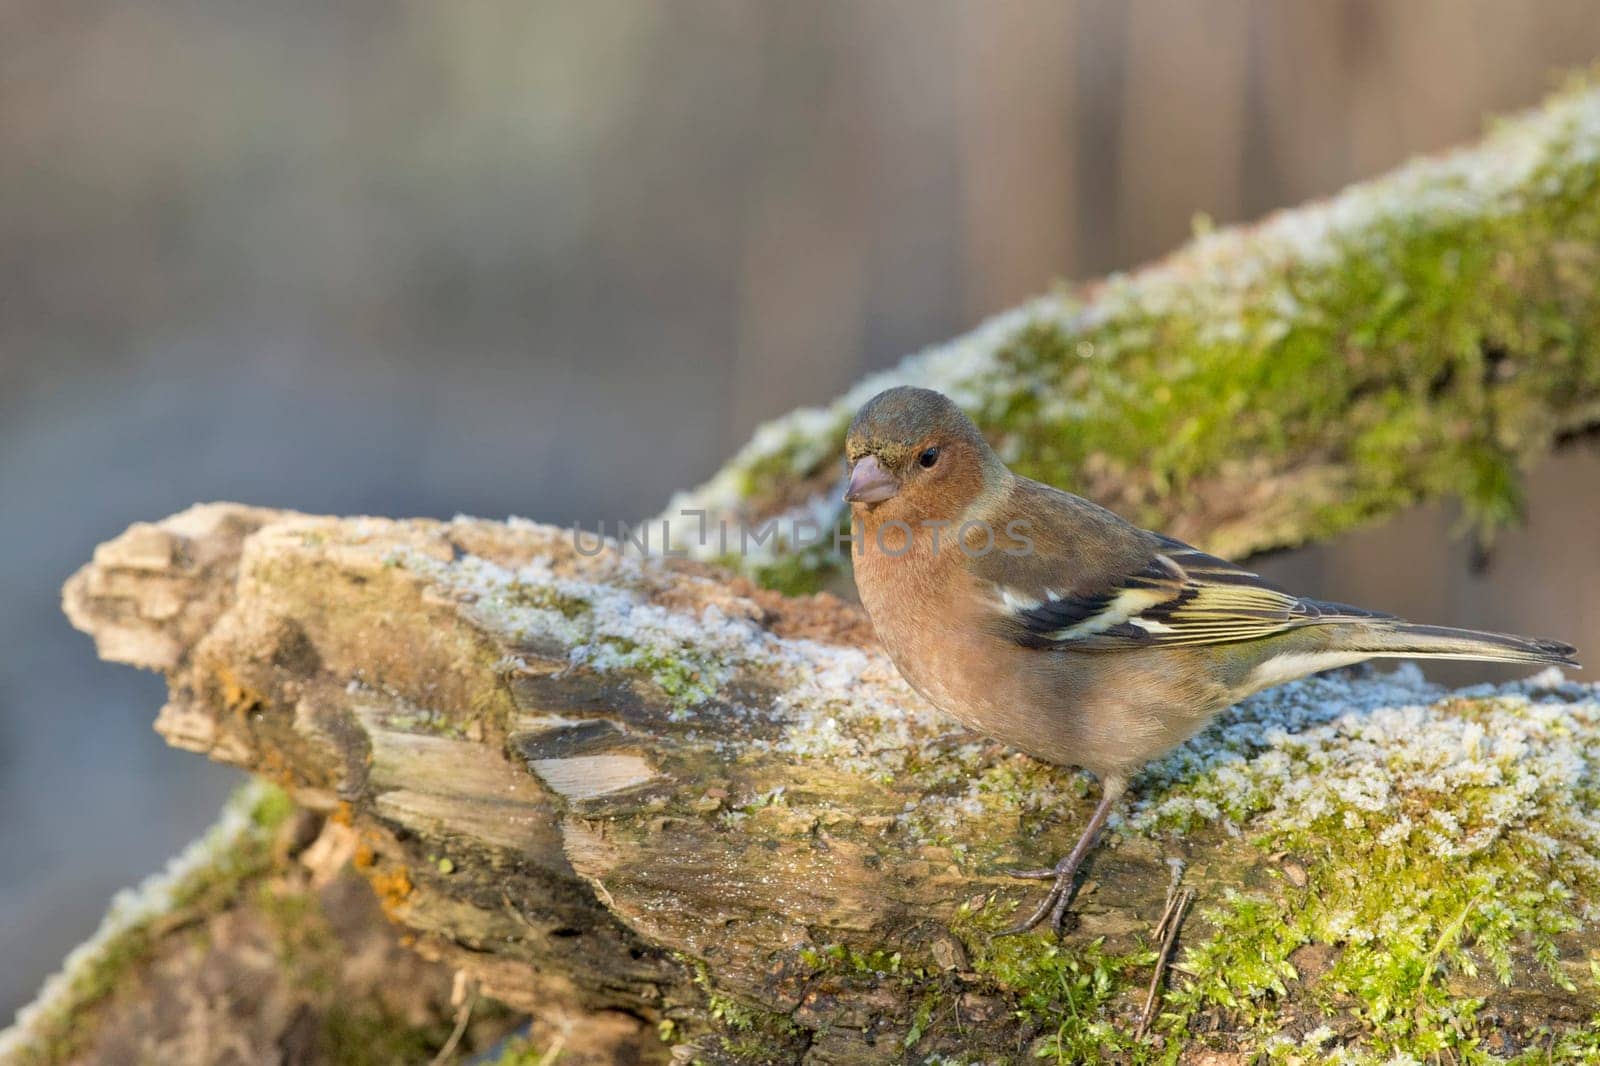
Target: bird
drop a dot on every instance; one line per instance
(1056, 627)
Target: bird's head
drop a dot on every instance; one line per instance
(913, 452)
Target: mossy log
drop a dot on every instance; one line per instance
(642, 789)
(1425, 335)
(670, 813)
(258, 944)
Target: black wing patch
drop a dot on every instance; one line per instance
(1181, 597)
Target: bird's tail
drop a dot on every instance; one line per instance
(1409, 640)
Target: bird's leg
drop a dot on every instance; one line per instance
(1063, 873)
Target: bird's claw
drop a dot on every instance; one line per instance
(1054, 904)
(1063, 873)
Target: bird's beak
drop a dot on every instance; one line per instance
(870, 482)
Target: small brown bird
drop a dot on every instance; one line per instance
(1049, 623)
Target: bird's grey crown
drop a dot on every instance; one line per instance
(896, 419)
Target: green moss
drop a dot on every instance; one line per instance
(63, 1037)
(1423, 360)
(921, 1020)
(447, 659)
(610, 629)
(546, 598)
(271, 809)
(1065, 993)
(985, 811)
(1414, 878)
(799, 571)
(770, 473)
(358, 1036)
(239, 853)
(793, 574)
(844, 959)
(308, 951)
(687, 675)
(1579, 1045)
(1422, 337)
(237, 873)
(211, 887)
(749, 1032)
(1441, 921)
(1441, 855)
(427, 720)
(1065, 990)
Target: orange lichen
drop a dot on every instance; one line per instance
(392, 887)
(235, 694)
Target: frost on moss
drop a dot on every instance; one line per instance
(1438, 849)
(1442, 849)
(47, 1028)
(695, 655)
(607, 626)
(1421, 335)
(1447, 846)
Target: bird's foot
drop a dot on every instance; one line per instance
(1054, 904)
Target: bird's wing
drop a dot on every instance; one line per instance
(1179, 596)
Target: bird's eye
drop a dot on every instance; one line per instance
(928, 458)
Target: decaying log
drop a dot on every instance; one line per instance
(667, 813)
(646, 789)
(258, 944)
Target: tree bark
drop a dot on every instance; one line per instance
(648, 791)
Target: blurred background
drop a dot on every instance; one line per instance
(559, 259)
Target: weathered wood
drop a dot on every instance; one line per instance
(259, 944)
(643, 787)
